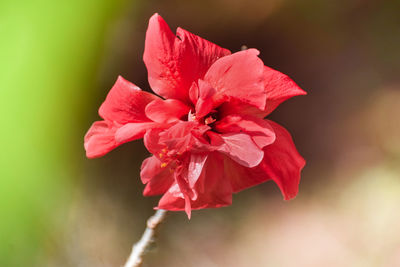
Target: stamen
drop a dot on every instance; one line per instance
(191, 116)
(163, 165)
(209, 120)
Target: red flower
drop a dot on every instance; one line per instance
(206, 132)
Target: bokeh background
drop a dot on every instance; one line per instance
(58, 59)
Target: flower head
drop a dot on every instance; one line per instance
(206, 128)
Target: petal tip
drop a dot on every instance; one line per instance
(121, 79)
(299, 90)
(155, 16)
(91, 155)
(289, 197)
(302, 92)
(254, 51)
(189, 215)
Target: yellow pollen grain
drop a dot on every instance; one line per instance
(161, 155)
(163, 165)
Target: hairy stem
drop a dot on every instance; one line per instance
(139, 249)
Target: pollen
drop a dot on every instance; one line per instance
(163, 165)
(161, 155)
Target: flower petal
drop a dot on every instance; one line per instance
(241, 148)
(158, 178)
(152, 143)
(125, 103)
(259, 129)
(181, 189)
(183, 136)
(181, 177)
(159, 184)
(194, 93)
(133, 131)
(172, 200)
(282, 162)
(238, 76)
(175, 62)
(278, 88)
(100, 140)
(166, 111)
(104, 136)
(242, 177)
(151, 166)
(206, 101)
(195, 168)
(214, 189)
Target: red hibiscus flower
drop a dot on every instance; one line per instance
(205, 128)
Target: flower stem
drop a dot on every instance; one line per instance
(139, 249)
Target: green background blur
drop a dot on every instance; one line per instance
(58, 59)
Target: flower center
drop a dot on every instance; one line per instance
(209, 120)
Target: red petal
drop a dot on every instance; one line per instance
(239, 76)
(214, 189)
(195, 168)
(242, 177)
(159, 184)
(158, 179)
(151, 141)
(104, 136)
(259, 129)
(182, 136)
(172, 200)
(133, 131)
(278, 88)
(282, 162)
(151, 166)
(194, 93)
(174, 63)
(241, 148)
(125, 103)
(180, 189)
(237, 107)
(166, 111)
(100, 140)
(206, 101)
(181, 177)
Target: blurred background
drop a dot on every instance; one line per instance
(58, 60)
